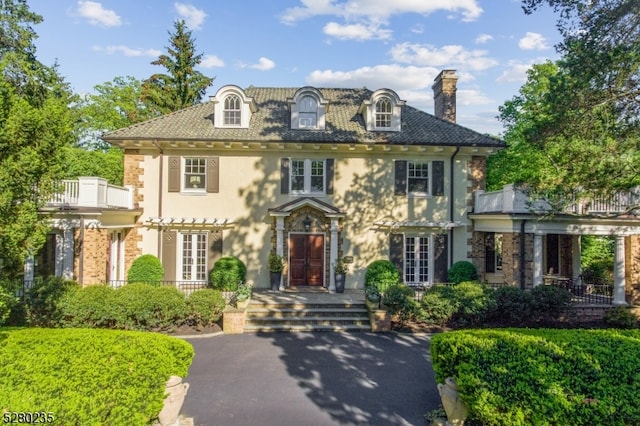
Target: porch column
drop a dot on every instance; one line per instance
(619, 282)
(67, 252)
(537, 259)
(333, 254)
(280, 243)
(29, 270)
(575, 259)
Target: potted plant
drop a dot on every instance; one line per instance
(340, 270)
(243, 295)
(276, 264)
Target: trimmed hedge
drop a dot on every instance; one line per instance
(42, 301)
(204, 307)
(89, 377)
(146, 268)
(227, 273)
(381, 274)
(462, 271)
(400, 301)
(543, 376)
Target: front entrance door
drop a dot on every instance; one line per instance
(306, 258)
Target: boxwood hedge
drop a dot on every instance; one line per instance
(89, 376)
(543, 376)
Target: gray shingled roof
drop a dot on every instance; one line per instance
(271, 123)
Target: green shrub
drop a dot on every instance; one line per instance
(549, 303)
(620, 317)
(43, 298)
(146, 269)
(462, 271)
(92, 306)
(372, 293)
(543, 376)
(227, 273)
(204, 307)
(381, 274)
(513, 305)
(438, 305)
(7, 303)
(400, 300)
(89, 377)
(475, 302)
(146, 307)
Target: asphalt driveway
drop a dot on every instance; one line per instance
(311, 379)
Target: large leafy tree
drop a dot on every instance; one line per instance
(36, 125)
(578, 124)
(182, 85)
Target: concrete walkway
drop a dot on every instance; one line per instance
(311, 379)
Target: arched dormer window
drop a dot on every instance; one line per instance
(232, 111)
(382, 111)
(232, 108)
(308, 109)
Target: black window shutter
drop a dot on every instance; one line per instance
(169, 251)
(440, 258)
(396, 252)
(215, 248)
(330, 164)
(284, 175)
(437, 180)
(213, 174)
(401, 177)
(174, 174)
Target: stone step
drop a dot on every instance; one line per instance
(254, 304)
(254, 312)
(323, 321)
(250, 328)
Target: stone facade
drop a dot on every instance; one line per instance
(476, 178)
(96, 244)
(444, 95)
(632, 273)
(133, 171)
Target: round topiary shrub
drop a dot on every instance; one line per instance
(204, 307)
(462, 271)
(227, 273)
(381, 274)
(147, 269)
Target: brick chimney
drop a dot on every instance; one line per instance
(444, 95)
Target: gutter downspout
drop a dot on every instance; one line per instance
(157, 145)
(451, 203)
(522, 254)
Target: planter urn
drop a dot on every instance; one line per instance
(340, 278)
(177, 391)
(275, 280)
(455, 408)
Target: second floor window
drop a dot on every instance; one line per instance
(232, 112)
(384, 112)
(307, 176)
(418, 178)
(195, 174)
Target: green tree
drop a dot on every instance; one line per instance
(182, 86)
(36, 124)
(584, 133)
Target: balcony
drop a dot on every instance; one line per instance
(92, 192)
(514, 200)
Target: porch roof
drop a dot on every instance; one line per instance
(286, 208)
(189, 222)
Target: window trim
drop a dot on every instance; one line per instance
(195, 252)
(386, 116)
(307, 170)
(183, 176)
(236, 110)
(420, 194)
(494, 253)
(303, 112)
(430, 260)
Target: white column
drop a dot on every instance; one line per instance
(333, 253)
(575, 258)
(619, 282)
(280, 243)
(29, 267)
(537, 260)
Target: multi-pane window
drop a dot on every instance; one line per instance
(194, 257)
(493, 252)
(418, 178)
(308, 115)
(383, 113)
(416, 255)
(307, 176)
(195, 173)
(232, 112)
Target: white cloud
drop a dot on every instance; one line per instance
(483, 38)
(359, 32)
(211, 61)
(127, 51)
(515, 73)
(264, 64)
(417, 29)
(379, 10)
(533, 41)
(97, 15)
(445, 56)
(393, 76)
(193, 17)
(472, 97)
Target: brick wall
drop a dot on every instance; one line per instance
(476, 179)
(95, 255)
(133, 171)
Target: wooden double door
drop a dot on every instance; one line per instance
(306, 259)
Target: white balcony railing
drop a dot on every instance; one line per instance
(513, 200)
(92, 192)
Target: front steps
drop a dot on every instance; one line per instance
(321, 312)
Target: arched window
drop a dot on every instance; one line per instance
(384, 111)
(308, 113)
(232, 111)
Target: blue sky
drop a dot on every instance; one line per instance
(396, 44)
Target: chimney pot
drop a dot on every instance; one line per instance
(444, 95)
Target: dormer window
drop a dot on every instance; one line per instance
(382, 112)
(232, 111)
(308, 109)
(232, 108)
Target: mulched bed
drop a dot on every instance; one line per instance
(186, 330)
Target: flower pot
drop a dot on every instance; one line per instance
(340, 283)
(173, 402)
(275, 280)
(453, 405)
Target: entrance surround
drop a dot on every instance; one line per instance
(308, 215)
